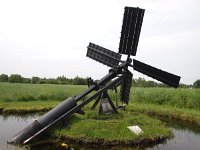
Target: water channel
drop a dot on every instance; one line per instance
(185, 136)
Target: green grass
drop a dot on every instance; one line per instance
(166, 111)
(17, 92)
(14, 92)
(42, 97)
(27, 107)
(181, 97)
(30, 98)
(91, 127)
(146, 104)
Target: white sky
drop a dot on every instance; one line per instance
(49, 38)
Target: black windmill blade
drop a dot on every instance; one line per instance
(125, 87)
(160, 75)
(103, 55)
(131, 27)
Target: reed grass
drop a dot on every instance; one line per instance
(181, 97)
(15, 92)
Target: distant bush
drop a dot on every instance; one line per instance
(3, 78)
(35, 80)
(15, 78)
(140, 82)
(26, 80)
(196, 84)
(79, 81)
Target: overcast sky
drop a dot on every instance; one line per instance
(49, 38)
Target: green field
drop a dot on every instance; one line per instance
(181, 97)
(25, 98)
(18, 92)
(179, 104)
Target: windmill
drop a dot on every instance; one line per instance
(132, 23)
(119, 74)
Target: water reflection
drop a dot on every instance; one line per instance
(10, 125)
(186, 136)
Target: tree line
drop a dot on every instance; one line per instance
(140, 82)
(16, 78)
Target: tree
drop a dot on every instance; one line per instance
(15, 78)
(151, 84)
(42, 81)
(79, 81)
(133, 83)
(3, 78)
(35, 80)
(26, 80)
(141, 82)
(62, 80)
(196, 84)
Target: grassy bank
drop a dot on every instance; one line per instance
(27, 107)
(191, 116)
(182, 114)
(112, 129)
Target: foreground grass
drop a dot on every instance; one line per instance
(92, 127)
(107, 128)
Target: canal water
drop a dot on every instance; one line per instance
(10, 125)
(185, 136)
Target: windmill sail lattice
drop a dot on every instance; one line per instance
(103, 55)
(131, 27)
(160, 75)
